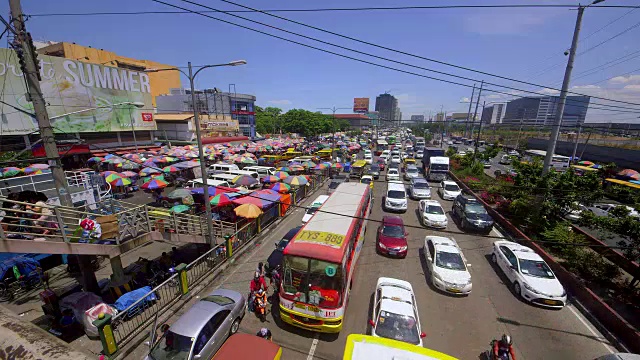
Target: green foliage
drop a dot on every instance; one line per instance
(9, 155)
(307, 123)
(620, 223)
(450, 152)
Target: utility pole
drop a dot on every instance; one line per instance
(575, 146)
(444, 118)
(517, 145)
(23, 44)
(475, 112)
(475, 149)
(555, 131)
(333, 122)
(466, 125)
(585, 144)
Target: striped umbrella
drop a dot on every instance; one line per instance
(320, 167)
(11, 171)
(112, 177)
(296, 180)
(120, 182)
(296, 168)
(30, 170)
(220, 200)
(148, 171)
(308, 164)
(269, 179)
(281, 175)
(336, 166)
(94, 159)
(285, 169)
(170, 169)
(155, 183)
(280, 187)
(129, 174)
(244, 180)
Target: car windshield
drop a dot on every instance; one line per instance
(395, 231)
(451, 261)
(282, 244)
(412, 170)
(172, 347)
(219, 299)
(475, 208)
(397, 327)
(433, 209)
(365, 181)
(420, 185)
(451, 187)
(375, 168)
(392, 172)
(535, 268)
(313, 281)
(396, 194)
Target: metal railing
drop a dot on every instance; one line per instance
(127, 322)
(202, 266)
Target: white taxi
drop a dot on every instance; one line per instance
(530, 276)
(447, 265)
(395, 314)
(432, 214)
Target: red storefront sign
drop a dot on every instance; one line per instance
(243, 112)
(63, 149)
(147, 117)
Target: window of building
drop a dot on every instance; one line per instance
(246, 131)
(243, 119)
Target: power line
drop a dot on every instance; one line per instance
(382, 8)
(609, 39)
(609, 23)
(364, 53)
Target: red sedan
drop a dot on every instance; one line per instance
(381, 163)
(392, 237)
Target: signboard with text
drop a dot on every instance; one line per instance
(71, 86)
(360, 105)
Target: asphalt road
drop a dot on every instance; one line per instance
(459, 326)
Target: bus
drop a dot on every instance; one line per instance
(381, 145)
(558, 162)
(365, 347)
(319, 261)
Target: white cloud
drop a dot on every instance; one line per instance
(465, 100)
(547, 91)
(280, 102)
(634, 79)
(635, 87)
(585, 87)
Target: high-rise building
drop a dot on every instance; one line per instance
(494, 114)
(417, 118)
(386, 105)
(542, 110)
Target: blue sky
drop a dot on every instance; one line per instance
(520, 43)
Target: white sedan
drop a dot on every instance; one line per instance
(529, 274)
(447, 265)
(432, 214)
(395, 314)
(449, 190)
(395, 159)
(393, 174)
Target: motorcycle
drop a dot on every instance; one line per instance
(260, 308)
(501, 355)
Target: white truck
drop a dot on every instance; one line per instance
(438, 168)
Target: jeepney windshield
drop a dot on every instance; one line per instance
(312, 281)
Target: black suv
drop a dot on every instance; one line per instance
(473, 216)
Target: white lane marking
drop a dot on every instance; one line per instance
(314, 343)
(593, 332)
(498, 233)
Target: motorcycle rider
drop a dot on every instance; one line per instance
(261, 301)
(256, 284)
(503, 347)
(264, 333)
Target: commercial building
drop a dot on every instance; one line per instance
(417, 118)
(181, 127)
(386, 105)
(494, 114)
(357, 121)
(542, 110)
(220, 106)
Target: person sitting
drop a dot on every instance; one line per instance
(264, 333)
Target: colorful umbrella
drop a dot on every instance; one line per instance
(244, 180)
(94, 159)
(129, 174)
(148, 171)
(629, 174)
(281, 175)
(280, 187)
(320, 167)
(296, 168)
(336, 166)
(120, 182)
(180, 209)
(31, 170)
(585, 163)
(308, 164)
(285, 169)
(170, 168)
(155, 183)
(270, 179)
(296, 180)
(179, 193)
(220, 200)
(248, 211)
(112, 177)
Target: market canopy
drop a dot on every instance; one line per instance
(262, 200)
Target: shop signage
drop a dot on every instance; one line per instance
(63, 149)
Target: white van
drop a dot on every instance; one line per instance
(396, 197)
(317, 203)
(261, 170)
(198, 183)
(224, 167)
(253, 174)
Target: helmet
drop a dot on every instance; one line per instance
(264, 332)
(260, 291)
(256, 276)
(506, 339)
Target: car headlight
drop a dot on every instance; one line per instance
(382, 245)
(403, 248)
(528, 287)
(437, 276)
(564, 293)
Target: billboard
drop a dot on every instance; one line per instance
(72, 86)
(360, 105)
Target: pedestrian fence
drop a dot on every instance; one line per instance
(117, 331)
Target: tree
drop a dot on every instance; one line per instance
(267, 120)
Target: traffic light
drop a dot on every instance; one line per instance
(34, 54)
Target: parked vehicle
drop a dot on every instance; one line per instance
(432, 214)
(449, 190)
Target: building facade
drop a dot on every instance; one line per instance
(238, 107)
(542, 111)
(386, 105)
(357, 121)
(417, 118)
(494, 114)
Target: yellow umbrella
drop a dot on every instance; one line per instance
(248, 211)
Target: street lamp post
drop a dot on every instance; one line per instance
(203, 167)
(333, 125)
